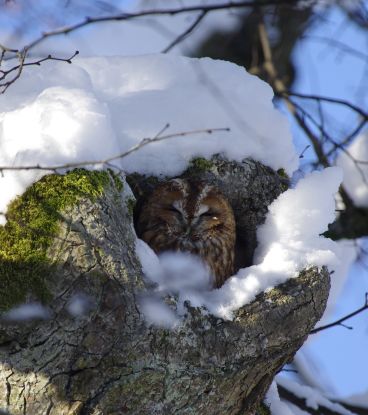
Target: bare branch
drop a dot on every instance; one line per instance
(337, 44)
(347, 140)
(187, 32)
(17, 69)
(156, 12)
(203, 9)
(279, 89)
(107, 161)
(355, 108)
(341, 320)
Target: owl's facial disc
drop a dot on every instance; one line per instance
(202, 209)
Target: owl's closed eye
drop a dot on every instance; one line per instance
(192, 216)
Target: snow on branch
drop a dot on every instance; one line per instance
(96, 113)
(312, 401)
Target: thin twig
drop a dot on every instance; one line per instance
(280, 89)
(352, 135)
(186, 33)
(341, 320)
(5, 84)
(155, 12)
(133, 149)
(339, 45)
(331, 100)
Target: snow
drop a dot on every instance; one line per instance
(359, 399)
(289, 241)
(174, 271)
(100, 107)
(313, 397)
(346, 251)
(356, 174)
(277, 407)
(157, 313)
(27, 312)
(79, 305)
(178, 273)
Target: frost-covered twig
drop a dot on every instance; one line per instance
(107, 161)
(341, 320)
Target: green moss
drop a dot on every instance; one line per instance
(117, 180)
(201, 164)
(263, 409)
(284, 178)
(282, 173)
(130, 205)
(32, 223)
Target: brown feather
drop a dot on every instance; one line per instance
(184, 215)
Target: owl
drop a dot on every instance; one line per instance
(191, 216)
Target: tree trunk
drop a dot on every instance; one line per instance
(108, 360)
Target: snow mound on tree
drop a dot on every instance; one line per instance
(97, 108)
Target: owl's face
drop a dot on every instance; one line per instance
(183, 215)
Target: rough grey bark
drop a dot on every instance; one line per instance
(110, 362)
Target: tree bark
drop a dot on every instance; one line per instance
(109, 361)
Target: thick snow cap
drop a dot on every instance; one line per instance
(100, 107)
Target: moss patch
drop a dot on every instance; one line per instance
(263, 409)
(117, 180)
(200, 164)
(32, 223)
(283, 174)
(131, 205)
(285, 179)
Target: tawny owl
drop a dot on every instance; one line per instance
(192, 216)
